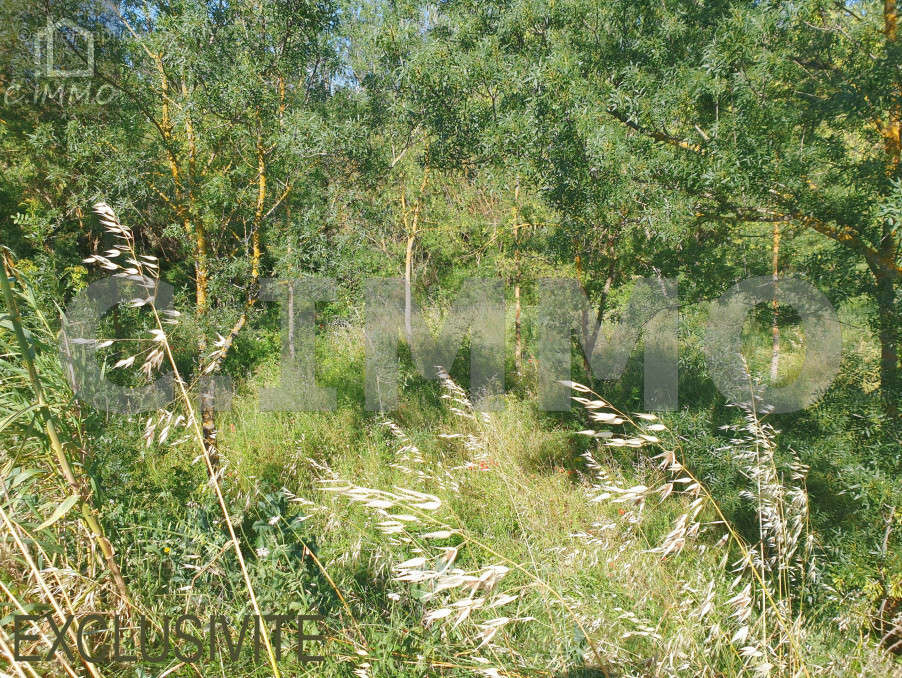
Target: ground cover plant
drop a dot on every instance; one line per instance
(195, 151)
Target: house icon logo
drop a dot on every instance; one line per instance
(64, 50)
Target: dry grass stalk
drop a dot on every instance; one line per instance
(145, 270)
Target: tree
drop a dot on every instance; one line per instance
(216, 128)
(648, 121)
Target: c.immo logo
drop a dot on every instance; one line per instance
(64, 50)
(63, 70)
(104, 639)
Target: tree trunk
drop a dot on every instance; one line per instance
(775, 327)
(518, 333)
(888, 316)
(194, 228)
(590, 339)
(585, 350)
(408, 294)
(602, 303)
(412, 227)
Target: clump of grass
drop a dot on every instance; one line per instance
(655, 581)
(37, 507)
(145, 271)
(762, 622)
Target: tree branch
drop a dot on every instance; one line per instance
(653, 134)
(844, 235)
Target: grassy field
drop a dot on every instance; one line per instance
(439, 540)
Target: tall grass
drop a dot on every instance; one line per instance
(707, 602)
(41, 486)
(439, 541)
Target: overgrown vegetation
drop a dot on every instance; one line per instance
(602, 141)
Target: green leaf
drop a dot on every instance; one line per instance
(61, 510)
(21, 476)
(9, 419)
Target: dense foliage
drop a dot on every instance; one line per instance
(217, 144)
